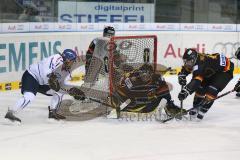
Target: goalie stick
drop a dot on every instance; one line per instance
(182, 114)
(122, 106)
(92, 99)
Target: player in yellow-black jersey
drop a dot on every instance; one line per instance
(210, 75)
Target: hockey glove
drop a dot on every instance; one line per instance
(182, 79)
(237, 86)
(53, 82)
(76, 93)
(183, 94)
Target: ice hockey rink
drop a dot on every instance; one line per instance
(217, 137)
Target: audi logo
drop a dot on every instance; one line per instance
(227, 48)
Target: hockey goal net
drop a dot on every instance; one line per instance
(114, 57)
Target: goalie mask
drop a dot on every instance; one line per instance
(108, 31)
(146, 72)
(190, 58)
(119, 58)
(69, 57)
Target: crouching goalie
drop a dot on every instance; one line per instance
(145, 88)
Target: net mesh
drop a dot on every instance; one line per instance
(131, 53)
(112, 58)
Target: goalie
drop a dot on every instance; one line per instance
(145, 87)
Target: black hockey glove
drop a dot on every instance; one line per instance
(53, 82)
(182, 79)
(237, 86)
(76, 93)
(183, 94)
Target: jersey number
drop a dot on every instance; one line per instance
(128, 83)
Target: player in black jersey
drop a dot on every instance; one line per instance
(237, 86)
(211, 73)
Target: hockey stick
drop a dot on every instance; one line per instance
(181, 103)
(181, 114)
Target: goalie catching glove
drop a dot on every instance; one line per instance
(76, 93)
(53, 82)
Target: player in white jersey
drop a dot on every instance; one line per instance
(46, 77)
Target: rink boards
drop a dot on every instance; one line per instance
(19, 50)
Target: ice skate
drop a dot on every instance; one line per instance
(54, 115)
(238, 94)
(10, 116)
(172, 110)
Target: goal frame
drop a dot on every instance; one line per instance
(114, 38)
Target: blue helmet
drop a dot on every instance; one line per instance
(69, 54)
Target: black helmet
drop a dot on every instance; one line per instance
(190, 57)
(237, 53)
(108, 31)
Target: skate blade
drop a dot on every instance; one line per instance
(54, 121)
(11, 123)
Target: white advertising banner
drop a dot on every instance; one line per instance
(193, 26)
(238, 27)
(15, 27)
(93, 27)
(100, 12)
(165, 26)
(83, 27)
(41, 27)
(65, 27)
(18, 51)
(222, 27)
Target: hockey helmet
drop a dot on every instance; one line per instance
(69, 57)
(69, 54)
(190, 57)
(237, 53)
(108, 31)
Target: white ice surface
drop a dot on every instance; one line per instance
(217, 137)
